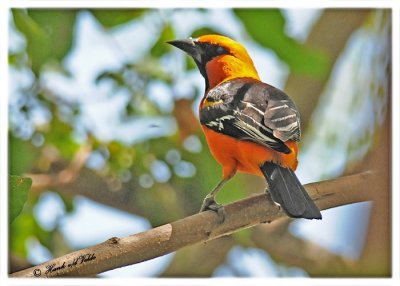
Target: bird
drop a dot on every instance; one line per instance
(250, 126)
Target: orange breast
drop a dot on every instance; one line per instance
(246, 156)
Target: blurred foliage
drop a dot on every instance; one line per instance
(24, 152)
(19, 187)
(161, 176)
(49, 34)
(110, 18)
(364, 110)
(299, 58)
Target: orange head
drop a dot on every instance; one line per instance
(218, 58)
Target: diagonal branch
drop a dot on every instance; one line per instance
(119, 252)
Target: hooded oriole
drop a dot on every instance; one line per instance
(250, 126)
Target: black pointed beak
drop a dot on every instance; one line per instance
(189, 46)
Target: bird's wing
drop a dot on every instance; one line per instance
(248, 109)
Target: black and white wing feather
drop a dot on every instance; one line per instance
(251, 110)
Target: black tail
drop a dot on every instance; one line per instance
(288, 192)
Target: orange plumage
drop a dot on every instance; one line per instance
(244, 156)
(250, 126)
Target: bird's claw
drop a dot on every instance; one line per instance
(209, 203)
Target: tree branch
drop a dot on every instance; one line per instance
(201, 227)
(340, 22)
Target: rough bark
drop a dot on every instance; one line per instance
(202, 227)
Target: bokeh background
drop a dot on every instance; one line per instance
(103, 118)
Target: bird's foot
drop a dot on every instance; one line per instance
(209, 203)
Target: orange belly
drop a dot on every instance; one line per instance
(246, 156)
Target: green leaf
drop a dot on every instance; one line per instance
(110, 18)
(243, 237)
(37, 44)
(58, 26)
(20, 230)
(117, 77)
(60, 136)
(49, 33)
(151, 68)
(19, 188)
(68, 203)
(161, 47)
(203, 31)
(190, 64)
(22, 155)
(16, 59)
(267, 27)
(26, 227)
